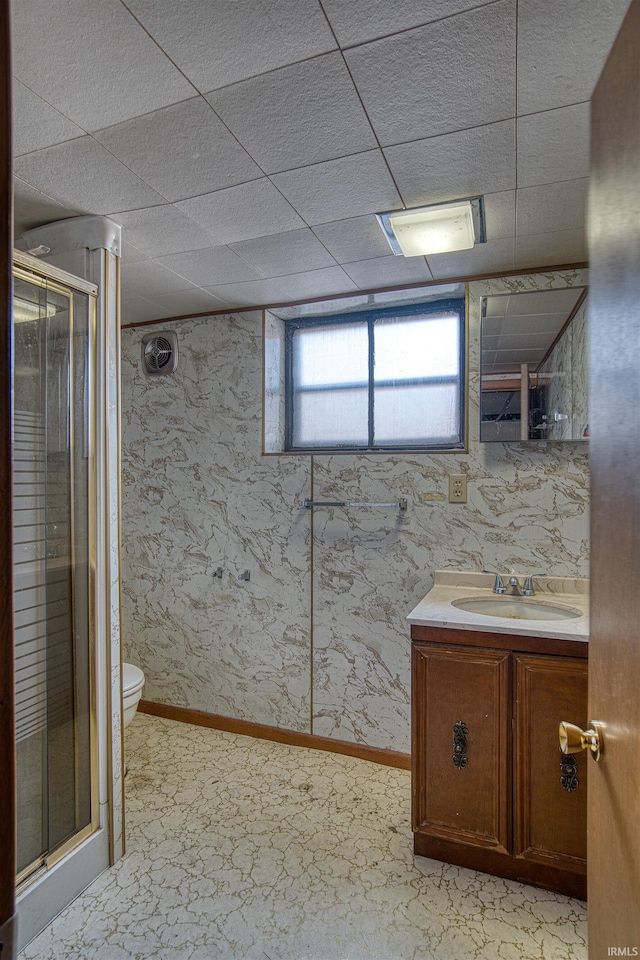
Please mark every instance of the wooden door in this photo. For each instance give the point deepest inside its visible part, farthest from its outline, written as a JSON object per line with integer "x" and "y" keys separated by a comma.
{"x": 7, "y": 738}
{"x": 460, "y": 749}
{"x": 614, "y": 656}
{"x": 550, "y": 809}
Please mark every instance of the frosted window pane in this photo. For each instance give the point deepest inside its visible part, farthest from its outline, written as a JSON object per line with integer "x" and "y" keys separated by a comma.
{"x": 407, "y": 349}
{"x": 331, "y": 418}
{"x": 416, "y": 414}
{"x": 413, "y": 399}
{"x": 335, "y": 353}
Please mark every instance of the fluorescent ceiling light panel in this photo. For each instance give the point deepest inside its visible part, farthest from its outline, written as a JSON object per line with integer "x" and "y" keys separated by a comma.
{"x": 442, "y": 228}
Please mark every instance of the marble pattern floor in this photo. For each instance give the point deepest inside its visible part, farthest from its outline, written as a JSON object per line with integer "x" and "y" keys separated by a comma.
{"x": 242, "y": 849}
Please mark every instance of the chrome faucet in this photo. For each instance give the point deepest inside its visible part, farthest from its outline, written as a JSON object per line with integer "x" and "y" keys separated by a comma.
{"x": 514, "y": 589}
{"x": 498, "y": 586}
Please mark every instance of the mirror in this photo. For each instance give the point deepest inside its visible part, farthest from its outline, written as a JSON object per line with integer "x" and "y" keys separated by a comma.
{"x": 533, "y": 349}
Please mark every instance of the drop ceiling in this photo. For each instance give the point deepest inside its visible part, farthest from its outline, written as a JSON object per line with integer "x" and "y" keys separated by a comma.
{"x": 245, "y": 145}
{"x": 522, "y": 327}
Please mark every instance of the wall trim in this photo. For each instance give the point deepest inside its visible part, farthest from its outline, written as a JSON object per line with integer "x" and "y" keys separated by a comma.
{"x": 520, "y": 271}
{"x": 387, "y": 758}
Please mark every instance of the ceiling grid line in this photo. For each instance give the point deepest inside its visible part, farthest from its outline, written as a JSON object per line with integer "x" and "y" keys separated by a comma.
{"x": 318, "y": 115}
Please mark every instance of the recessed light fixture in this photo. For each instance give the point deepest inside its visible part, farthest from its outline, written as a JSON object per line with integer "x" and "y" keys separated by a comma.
{"x": 440, "y": 228}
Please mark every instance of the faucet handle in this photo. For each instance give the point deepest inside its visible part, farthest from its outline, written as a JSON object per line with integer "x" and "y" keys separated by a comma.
{"x": 527, "y": 590}
{"x": 498, "y": 586}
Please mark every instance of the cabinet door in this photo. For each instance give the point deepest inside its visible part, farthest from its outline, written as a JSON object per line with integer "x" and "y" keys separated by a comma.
{"x": 460, "y": 749}
{"x": 551, "y": 789}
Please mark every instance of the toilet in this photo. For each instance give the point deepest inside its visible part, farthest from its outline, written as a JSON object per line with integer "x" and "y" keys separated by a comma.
{"x": 132, "y": 684}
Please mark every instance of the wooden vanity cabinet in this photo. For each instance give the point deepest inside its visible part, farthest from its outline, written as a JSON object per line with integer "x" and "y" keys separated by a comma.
{"x": 490, "y": 788}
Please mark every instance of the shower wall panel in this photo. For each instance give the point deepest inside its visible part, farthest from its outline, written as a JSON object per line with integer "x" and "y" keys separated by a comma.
{"x": 198, "y": 497}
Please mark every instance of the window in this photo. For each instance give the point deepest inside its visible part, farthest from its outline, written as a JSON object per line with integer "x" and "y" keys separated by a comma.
{"x": 384, "y": 379}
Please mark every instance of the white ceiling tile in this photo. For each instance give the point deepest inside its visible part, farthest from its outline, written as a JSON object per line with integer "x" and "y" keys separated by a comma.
{"x": 500, "y": 215}
{"x": 561, "y": 51}
{"x": 348, "y": 187}
{"x": 279, "y": 255}
{"x": 388, "y": 271}
{"x": 297, "y": 115}
{"x": 316, "y": 283}
{"x": 446, "y": 76}
{"x": 462, "y": 164}
{"x": 539, "y": 303}
{"x": 361, "y": 20}
{"x": 564, "y": 246}
{"x": 553, "y": 145}
{"x": 159, "y": 231}
{"x": 215, "y": 265}
{"x": 186, "y": 302}
{"x": 254, "y": 209}
{"x": 92, "y": 61}
{"x": 83, "y": 174}
{"x": 551, "y": 207}
{"x": 36, "y": 124}
{"x": 137, "y": 310}
{"x": 217, "y": 43}
{"x": 249, "y": 294}
{"x": 130, "y": 253}
{"x": 31, "y": 208}
{"x": 148, "y": 279}
{"x": 494, "y": 255}
{"x": 360, "y": 238}
{"x": 181, "y": 151}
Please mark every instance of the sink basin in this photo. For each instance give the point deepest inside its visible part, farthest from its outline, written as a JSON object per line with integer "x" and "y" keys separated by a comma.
{"x": 516, "y": 608}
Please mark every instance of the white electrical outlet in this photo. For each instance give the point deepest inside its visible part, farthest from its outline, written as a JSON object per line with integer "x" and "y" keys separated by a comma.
{"x": 457, "y": 488}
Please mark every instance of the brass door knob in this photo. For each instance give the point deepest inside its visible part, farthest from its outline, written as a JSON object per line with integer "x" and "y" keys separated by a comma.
{"x": 573, "y": 739}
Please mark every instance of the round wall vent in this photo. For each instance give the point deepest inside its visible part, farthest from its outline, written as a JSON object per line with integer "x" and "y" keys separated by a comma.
{"x": 159, "y": 353}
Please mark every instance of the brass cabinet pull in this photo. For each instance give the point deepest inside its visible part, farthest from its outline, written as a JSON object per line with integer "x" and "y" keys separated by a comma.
{"x": 573, "y": 739}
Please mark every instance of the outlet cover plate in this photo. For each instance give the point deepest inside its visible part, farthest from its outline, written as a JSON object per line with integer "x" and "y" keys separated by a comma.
{"x": 457, "y": 488}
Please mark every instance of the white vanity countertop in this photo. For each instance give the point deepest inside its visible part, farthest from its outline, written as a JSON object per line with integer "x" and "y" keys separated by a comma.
{"x": 436, "y": 609}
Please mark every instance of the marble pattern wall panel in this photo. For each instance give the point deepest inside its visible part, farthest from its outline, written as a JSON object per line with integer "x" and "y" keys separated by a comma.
{"x": 527, "y": 511}
{"x": 198, "y": 495}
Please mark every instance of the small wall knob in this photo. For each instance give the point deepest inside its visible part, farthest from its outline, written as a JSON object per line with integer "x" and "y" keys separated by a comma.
{"x": 573, "y": 739}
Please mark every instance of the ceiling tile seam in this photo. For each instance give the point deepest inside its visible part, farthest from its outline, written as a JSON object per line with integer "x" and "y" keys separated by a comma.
{"x": 28, "y": 183}
{"x": 155, "y": 303}
{"x": 535, "y": 186}
{"x": 449, "y": 133}
{"x": 515, "y": 83}
{"x": 366, "y": 112}
{"x": 265, "y": 73}
{"x": 142, "y": 179}
{"x": 263, "y": 276}
{"x": 317, "y": 163}
{"x": 28, "y": 153}
{"x": 267, "y": 176}
{"x": 160, "y": 48}
{"x": 44, "y": 100}
{"x": 565, "y": 106}
{"x": 347, "y": 263}
{"x": 417, "y": 26}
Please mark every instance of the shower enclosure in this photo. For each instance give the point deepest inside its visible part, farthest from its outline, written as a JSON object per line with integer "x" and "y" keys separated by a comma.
{"x": 54, "y": 508}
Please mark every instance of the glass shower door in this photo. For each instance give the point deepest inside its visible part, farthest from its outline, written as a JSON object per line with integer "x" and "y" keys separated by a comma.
{"x": 53, "y": 542}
